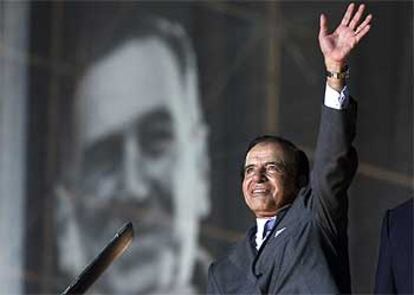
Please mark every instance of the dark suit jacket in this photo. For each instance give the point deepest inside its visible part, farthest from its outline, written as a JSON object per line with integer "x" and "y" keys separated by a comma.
{"x": 395, "y": 263}
{"x": 307, "y": 251}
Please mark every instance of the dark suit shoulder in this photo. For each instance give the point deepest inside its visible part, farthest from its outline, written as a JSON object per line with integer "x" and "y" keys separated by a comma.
{"x": 238, "y": 255}
{"x": 401, "y": 217}
{"x": 394, "y": 270}
{"x": 404, "y": 209}
{"x": 231, "y": 273}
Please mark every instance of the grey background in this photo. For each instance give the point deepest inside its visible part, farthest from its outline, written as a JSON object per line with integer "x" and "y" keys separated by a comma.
{"x": 260, "y": 71}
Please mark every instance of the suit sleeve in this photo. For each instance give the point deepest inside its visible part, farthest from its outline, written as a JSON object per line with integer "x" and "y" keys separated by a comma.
{"x": 384, "y": 279}
{"x": 334, "y": 166}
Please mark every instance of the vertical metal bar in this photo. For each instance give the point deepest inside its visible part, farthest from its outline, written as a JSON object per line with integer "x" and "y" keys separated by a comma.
{"x": 53, "y": 116}
{"x": 273, "y": 23}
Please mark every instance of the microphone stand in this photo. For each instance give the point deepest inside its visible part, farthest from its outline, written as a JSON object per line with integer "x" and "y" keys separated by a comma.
{"x": 100, "y": 263}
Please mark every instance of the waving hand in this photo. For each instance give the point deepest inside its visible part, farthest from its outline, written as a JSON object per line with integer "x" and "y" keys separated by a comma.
{"x": 338, "y": 45}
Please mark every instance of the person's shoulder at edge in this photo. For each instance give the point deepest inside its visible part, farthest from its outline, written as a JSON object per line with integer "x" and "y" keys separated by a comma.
{"x": 402, "y": 212}
{"x": 407, "y": 205}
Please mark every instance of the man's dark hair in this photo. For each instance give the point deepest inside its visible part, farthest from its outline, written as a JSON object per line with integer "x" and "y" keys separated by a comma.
{"x": 294, "y": 159}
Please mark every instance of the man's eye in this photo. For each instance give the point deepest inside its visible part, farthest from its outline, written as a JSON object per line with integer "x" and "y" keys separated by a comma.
{"x": 101, "y": 159}
{"x": 248, "y": 171}
{"x": 273, "y": 168}
{"x": 155, "y": 133}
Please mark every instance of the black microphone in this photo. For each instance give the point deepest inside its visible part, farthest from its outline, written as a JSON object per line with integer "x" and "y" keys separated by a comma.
{"x": 97, "y": 266}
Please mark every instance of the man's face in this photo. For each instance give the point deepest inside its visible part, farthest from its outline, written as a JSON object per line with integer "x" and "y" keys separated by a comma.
{"x": 266, "y": 184}
{"x": 129, "y": 154}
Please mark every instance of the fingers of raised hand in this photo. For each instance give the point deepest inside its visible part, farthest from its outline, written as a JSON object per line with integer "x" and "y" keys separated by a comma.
{"x": 355, "y": 20}
{"x": 364, "y": 24}
{"x": 351, "y": 20}
{"x": 360, "y": 33}
{"x": 348, "y": 14}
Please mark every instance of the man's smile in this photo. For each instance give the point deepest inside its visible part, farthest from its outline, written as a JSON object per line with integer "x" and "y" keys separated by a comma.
{"x": 260, "y": 191}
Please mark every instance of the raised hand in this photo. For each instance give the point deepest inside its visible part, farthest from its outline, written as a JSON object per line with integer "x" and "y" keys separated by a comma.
{"x": 338, "y": 45}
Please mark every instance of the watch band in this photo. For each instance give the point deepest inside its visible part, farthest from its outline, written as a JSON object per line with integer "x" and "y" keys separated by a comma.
{"x": 338, "y": 75}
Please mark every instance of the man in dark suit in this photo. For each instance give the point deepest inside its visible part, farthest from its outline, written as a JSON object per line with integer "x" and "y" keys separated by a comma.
{"x": 300, "y": 243}
{"x": 395, "y": 263}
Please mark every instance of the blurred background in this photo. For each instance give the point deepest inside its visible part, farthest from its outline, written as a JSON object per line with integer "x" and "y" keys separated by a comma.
{"x": 140, "y": 111}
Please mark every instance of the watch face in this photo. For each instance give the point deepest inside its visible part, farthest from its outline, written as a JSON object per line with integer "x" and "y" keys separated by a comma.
{"x": 338, "y": 75}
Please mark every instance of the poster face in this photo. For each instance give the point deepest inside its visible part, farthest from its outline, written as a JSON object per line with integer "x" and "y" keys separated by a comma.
{"x": 139, "y": 154}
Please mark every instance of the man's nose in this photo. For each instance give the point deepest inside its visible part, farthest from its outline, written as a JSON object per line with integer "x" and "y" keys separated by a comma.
{"x": 259, "y": 175}
{"x": 134, "y": 175}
